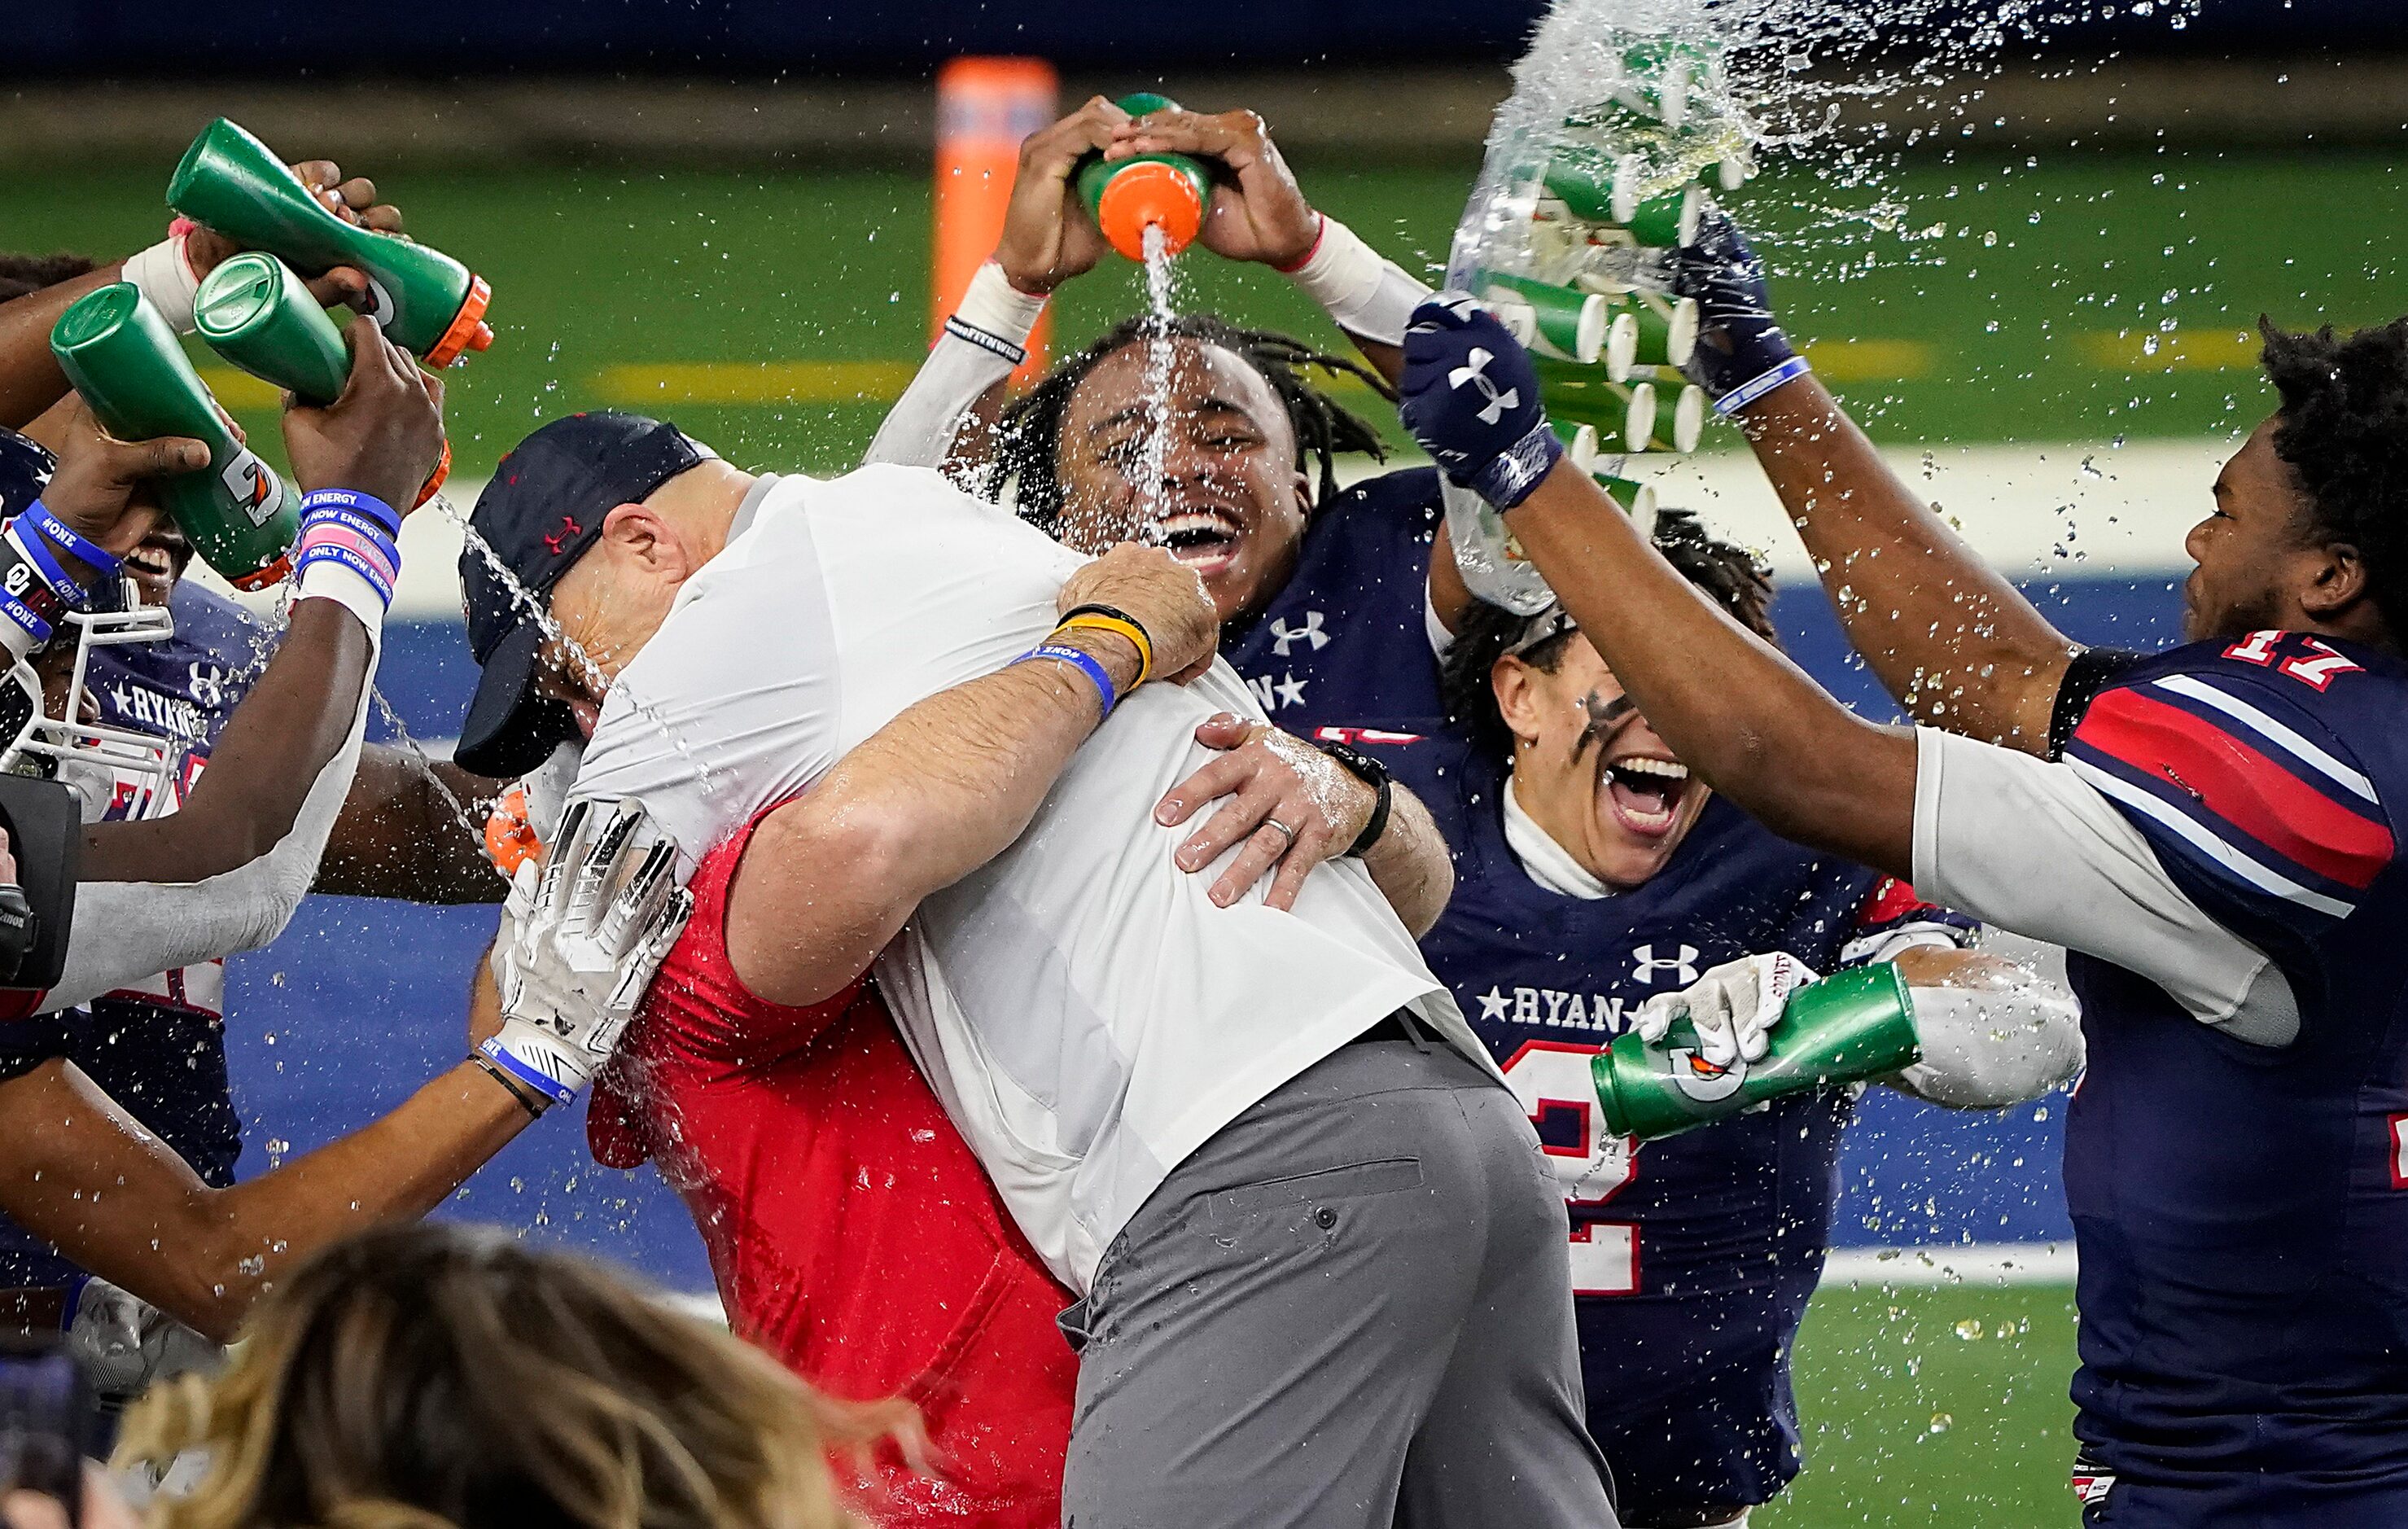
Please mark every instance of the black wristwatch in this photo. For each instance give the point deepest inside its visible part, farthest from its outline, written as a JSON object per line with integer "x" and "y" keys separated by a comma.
{"x": 1372, "y": 773}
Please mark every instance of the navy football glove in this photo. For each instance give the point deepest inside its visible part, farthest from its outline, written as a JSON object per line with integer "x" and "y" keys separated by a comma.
{"x": 1471, "y": 399}
{"x": 1741, "y": 353}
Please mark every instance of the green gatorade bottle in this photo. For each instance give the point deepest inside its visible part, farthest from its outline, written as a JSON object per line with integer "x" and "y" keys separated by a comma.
{"x": 1856, "y": 1024}
{"x": 428, "y": 302}
{"x": 1167, "y": 191}
{"x": 254, "y": 312}
{"x": 131, "y": 369}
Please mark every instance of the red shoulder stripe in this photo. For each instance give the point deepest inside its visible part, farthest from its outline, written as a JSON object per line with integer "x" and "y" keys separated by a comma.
{"x": 1890, "y": 900}
{"x": 2230, "y": 780}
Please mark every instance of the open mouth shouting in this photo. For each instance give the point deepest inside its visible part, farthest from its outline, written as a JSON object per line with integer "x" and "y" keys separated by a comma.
{"x": 1644, "y": 792}
{"x": 156, "y": 563}
{"x": 1203, "y": 537}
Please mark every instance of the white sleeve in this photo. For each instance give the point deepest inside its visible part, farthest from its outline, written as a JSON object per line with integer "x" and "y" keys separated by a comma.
{"x": 2031, "y": 847}
{"x": 126, "y": 931}
{"x": 1985, "y": 1049}
{"x": 1365, "y": 295}
{"x": 983, "y": 341}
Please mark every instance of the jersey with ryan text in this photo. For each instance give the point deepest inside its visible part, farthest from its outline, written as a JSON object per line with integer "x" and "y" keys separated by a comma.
{"x": 1692, "y": 1257}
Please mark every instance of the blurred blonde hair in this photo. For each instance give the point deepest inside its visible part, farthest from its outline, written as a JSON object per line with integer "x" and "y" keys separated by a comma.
{"x": 432, "y": 1376}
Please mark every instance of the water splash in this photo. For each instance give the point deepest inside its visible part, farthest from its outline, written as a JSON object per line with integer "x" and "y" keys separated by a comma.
{"x": 1153, "y": 504}
{"x": 712, "y": 782}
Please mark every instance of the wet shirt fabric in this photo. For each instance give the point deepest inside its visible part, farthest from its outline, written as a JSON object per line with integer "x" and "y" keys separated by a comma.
{"x": 851, "y": 1231}
{"x": 1085, "y": 1010}
{"x": 1346, "y": 640}
{"x": 2223, "y": 832}
{"x": 157, "y": 1048}
{"x": 1692, "y": 1257}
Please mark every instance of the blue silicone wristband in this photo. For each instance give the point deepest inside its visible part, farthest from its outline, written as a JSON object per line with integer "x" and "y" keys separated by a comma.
{"x": 351, "y": 560}
{"x": 1085, "y": 662}
{"x": 366, "y": 504}
{"x": 91, "y": 554}
{"x": 1756, "y": 387}
{"x": 542, "y": 1082}
{"x": 28, "y": 541}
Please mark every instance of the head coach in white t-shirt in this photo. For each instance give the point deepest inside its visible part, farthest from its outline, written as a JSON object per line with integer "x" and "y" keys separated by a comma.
{"x": 1321, "y": 1262}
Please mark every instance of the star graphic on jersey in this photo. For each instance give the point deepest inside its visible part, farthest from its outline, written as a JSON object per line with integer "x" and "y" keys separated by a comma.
{"x": 1494, "y": 1004}
{"x": 1290, "y": 690}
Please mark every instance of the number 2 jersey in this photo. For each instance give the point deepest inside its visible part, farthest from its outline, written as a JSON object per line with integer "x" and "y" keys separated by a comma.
{"x": 2219, "y": 845}
{"x": 1692, "y": 1257}
{"x": 158, "y": 1048}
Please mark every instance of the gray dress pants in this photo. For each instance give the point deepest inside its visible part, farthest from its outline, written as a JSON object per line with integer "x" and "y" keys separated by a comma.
{"x": 1351, "y": 1308}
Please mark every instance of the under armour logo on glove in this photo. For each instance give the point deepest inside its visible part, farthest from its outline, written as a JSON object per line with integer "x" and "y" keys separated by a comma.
{"x": 1475, "y": 372}
{"x": 1470, "y": 397}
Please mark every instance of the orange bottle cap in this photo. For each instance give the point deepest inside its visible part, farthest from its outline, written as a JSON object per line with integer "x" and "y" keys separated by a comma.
{"x": 435, "y": 479}
{"x": 266, "y": 577}
{"x": 466, "y": 326}
{"x": 510, "y": 840}
{"x": 1150, "y": 193}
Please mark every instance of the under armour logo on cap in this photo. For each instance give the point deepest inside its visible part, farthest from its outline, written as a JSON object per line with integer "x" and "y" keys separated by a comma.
{"x": 1475, "y": 372}
{"x": 558, "y": 541}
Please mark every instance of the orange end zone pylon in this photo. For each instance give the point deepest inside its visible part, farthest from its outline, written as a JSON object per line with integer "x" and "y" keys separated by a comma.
{"x": 984, "y": 108}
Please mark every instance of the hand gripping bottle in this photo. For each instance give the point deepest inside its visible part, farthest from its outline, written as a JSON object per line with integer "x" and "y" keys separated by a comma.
{"x": 428, "y": 302}
{"x": 1856, "y": 1024}
{"x": 1165, "y": 190}
{"x": 131, "y": 368}
{"x": 254, "y": 312}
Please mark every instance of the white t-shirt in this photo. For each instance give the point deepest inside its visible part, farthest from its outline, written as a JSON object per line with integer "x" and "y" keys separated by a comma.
{"x": 1086, "y": 1013}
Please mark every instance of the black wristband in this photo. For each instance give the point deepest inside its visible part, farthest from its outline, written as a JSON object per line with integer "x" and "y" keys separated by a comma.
{"x": 527, "y": 1102}
{"x": 1372, "y": 773}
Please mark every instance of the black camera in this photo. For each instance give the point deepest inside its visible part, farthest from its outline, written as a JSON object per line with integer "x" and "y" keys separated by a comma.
{"x": 45, "y": 829}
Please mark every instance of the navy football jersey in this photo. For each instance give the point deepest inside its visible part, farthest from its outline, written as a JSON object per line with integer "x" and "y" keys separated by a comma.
{"x": 1346, "y": 640}
{"x": 2241, "y": 1210}
{"x": 158, "y": 1048}
{"x": 1693, "y": 1257}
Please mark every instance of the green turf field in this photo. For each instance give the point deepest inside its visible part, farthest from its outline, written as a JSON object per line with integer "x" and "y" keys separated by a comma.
{"x": 1939, "y": 1406}
{"x": 1999, "y": 300}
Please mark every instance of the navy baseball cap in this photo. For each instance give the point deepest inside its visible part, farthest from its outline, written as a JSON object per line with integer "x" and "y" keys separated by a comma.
{"x": 544, "y": 505}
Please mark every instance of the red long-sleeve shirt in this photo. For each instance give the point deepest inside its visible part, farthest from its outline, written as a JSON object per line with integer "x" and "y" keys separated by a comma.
{"x": 851, "y": 1231}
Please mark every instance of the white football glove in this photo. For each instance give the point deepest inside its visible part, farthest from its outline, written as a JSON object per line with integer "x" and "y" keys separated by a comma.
{"x": 126, "y": 1343}
{"x": 583, "y": 932}
{"x": 1732, "y": 1008}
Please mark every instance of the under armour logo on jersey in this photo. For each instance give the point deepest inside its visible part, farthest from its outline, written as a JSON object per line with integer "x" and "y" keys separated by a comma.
{"x": 1283, "y": 634}
{"x": 206, "y": 685}
{"x": 1474, "y": 371}
{"x": 1645, "y": 965}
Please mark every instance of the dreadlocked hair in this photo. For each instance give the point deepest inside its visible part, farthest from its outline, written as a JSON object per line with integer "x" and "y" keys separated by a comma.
{"x": 1028, "y": 437}
{"x": 20, "y": 274}
{"x": 1731, "y": 576}
{"x": 2344, "y": 429}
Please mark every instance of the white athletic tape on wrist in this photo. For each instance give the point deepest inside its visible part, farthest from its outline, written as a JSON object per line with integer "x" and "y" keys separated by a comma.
{"x": 997, "y": 309}
{"x": 1362, "y": 292}
{"x": 330, "y": 580}
{"x": 165, "y": 275}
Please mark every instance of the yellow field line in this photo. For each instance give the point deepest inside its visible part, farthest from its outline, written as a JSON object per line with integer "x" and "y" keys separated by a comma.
{"x": 2202, "y": 350}
{"x": 1867, "y": 360}
{"x": 239, "y": 389}
{"x": 652, "y": 384}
